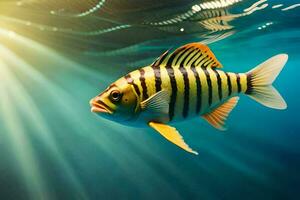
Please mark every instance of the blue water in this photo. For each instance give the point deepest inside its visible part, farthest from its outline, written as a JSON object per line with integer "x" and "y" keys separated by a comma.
{"x": 54, "y": 59}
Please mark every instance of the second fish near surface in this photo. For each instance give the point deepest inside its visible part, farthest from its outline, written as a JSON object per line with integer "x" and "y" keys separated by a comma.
{"x": 184, "y": 84}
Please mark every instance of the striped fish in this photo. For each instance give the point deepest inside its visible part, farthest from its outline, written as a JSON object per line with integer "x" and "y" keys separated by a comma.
{"x": 184, "y": 84}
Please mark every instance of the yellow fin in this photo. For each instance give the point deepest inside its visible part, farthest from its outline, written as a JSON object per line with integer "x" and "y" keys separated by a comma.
{"x": 218, "y": 116}
{"x": 261, "y": 79}
{"x": 193, "y": 54}
{"x": 171, "y": 134}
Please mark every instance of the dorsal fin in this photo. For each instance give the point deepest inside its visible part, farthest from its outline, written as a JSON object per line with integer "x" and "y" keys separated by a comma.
{"x": 193, "y": 54}
{"x": 160, "y": 59}
{"x": 218, "y": 116}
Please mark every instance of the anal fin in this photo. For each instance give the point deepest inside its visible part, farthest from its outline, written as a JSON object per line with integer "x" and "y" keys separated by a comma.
{"x": 218, "y": 116}
{"x": 171, "y": 134}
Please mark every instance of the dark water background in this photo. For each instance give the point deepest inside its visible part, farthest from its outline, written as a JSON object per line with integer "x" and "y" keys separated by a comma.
{"x": 56, "y": 55}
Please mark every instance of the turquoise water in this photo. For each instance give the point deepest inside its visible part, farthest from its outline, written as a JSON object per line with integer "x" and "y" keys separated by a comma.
{"x": 56, "y": 55}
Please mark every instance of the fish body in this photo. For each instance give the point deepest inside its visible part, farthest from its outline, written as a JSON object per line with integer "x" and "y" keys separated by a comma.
{"x": 193, "y": 91}
{"x": 184, "y": 84}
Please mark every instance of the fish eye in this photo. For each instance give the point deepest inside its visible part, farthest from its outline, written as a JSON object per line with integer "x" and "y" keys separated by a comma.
{"x": 115, "y": 95}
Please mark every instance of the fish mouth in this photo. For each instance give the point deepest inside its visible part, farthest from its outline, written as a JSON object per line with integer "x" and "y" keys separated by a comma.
{"x": 99, "y": 107}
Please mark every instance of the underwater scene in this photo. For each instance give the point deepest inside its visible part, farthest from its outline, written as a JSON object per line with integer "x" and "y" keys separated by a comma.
{"x": 56, "y": 55}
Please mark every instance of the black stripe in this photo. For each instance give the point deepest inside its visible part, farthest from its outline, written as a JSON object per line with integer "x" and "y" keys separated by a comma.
{"x": 170, "y": 71}
{"x": 193, "y": 64}
{"x": 184, "y": 73}
{"x": 196, "y": 54}
{"x": 184, "y": 51}
{"x": 229, "y": 84}
{"x": 156, "y": 70}
{"x": 143, "y": 83}
{"x": 238, "y": 81}
{"x": 137, "y": 89}
{"x": 130, "y": 81}
{"x": 198, "y": 85}
{"x": 204, "y": 57}
{"x": 249, "y": 83}
{"x": 207, "y": 63}
{"x": 219, "y": 81}
{"x": 161, "y": 59}
{"x": 209, "y": 87}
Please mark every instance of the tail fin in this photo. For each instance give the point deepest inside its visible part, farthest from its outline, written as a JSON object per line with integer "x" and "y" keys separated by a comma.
{"x": 260, "y": 81}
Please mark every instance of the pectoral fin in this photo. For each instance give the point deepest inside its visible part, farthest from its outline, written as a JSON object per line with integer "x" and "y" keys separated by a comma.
{"x": 157, "y": 103}
{"x": 218, "y": 116}
{"x": 171, "y": 134}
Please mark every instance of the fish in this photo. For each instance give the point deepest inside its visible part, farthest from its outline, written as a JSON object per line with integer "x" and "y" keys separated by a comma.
{"x": 183, "y": 84}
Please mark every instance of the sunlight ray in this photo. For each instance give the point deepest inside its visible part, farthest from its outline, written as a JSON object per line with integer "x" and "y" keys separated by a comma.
{"x": 58, "y": 93}
{"x": 21, "y": 146}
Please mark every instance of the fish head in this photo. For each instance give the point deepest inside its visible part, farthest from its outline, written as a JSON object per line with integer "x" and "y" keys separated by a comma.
{"x": 118, "y": 102}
